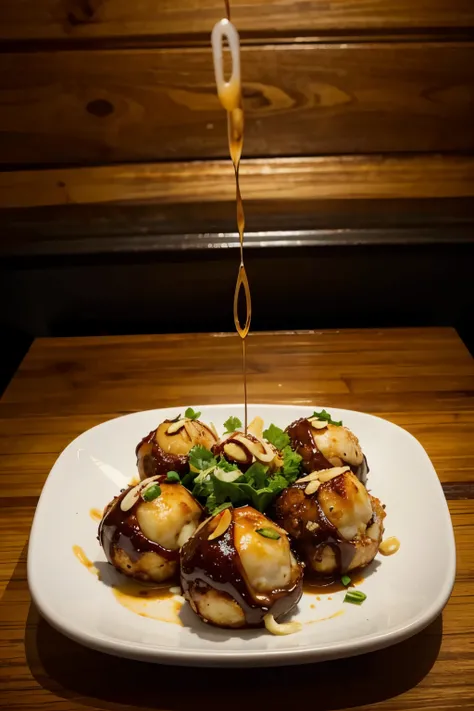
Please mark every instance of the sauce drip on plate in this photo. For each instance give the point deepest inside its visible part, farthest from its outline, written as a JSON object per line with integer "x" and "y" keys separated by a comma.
{"x": 155, "y": 602}
{"x": 389, "y": 546}
{"x": 84, "y": 560}
{"x": 316, "y": 585}
{"x": 95, "y": 514}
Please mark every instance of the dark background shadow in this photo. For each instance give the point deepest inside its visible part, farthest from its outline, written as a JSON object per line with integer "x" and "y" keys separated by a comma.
{"x": 74, "y": 672}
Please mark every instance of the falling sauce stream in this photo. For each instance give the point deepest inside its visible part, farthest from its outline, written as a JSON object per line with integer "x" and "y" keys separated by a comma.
{"x": 235, "y": 130}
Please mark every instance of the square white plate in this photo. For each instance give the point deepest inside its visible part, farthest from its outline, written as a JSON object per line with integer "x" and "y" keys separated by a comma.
{"x": 405, "y": 592}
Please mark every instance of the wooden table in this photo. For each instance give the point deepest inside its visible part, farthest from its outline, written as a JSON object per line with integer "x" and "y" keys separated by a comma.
{"x": 422, "y": 379}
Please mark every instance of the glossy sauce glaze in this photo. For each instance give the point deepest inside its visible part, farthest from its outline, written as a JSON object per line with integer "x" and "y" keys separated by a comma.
{"x": 317, "y": 585}
{"x": 303, "y": 442}
{"x": 120, "y": 529}
{"x": 216, "y": 564}
{"x": 219, "y": 449}
{"x": 153, "y": 460}
{"x": 293, "y": 510}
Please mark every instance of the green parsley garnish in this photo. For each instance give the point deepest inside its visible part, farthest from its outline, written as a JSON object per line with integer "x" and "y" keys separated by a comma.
{"x": 345, "y": 580}
{"x": 269, "y": 533}
{"x": 232, "y": 424}
{"x": 151, "y": 493}
{"x": 191, "y": 414}
{"x": 291, "y": 464}
{"x": 276, "y": 436}
{"x": 323, "y": 415}
{"x": 356, "y": 597}
{"x": 173, "y": 476}
{"x": 207, "y": 480}
{"x": 201, "y": 458}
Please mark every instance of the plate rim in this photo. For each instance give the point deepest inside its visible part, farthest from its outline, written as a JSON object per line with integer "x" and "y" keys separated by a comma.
{"x": 224, "y": 658}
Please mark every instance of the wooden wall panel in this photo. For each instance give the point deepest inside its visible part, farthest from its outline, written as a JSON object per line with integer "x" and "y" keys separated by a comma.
{"x": 70, "y": 19}
{"x": 145, "y": 105}
{"x": 265, "y": 180}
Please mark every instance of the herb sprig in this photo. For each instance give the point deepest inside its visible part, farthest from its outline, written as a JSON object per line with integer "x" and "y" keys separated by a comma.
{"x": 326, "y": 417}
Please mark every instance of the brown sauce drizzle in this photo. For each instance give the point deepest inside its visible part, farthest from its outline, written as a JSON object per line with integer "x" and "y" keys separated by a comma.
{"x": 153, "y": 460}
{"x": 120, "y": 529}
{"x": 316, "y": 585}
{"x": 216, "y": 564}
{"x": 235, "y": 132}
{"x": 294, "y": 509}
{"x": 243, "y": 466}
{"x": 303, "y": 442}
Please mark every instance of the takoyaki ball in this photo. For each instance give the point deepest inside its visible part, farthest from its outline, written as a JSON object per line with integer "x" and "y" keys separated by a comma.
{"x": 142, "y": 538}
{"x": 245, "y": 449}
{"x": 238, "y": 567}
{"x": 335, "y": 524}
{"x": 166, "y": 448}
{"x": 323, "y": 445}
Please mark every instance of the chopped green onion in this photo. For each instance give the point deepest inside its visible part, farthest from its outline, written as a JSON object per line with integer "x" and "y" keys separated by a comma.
{"x": 345, "y": 580}
{"x": 192, "y": 414}
{"x": 173, "y": 476}
{"x": 357, "y": 597}
{"x": 151, "y": 493}
{"x": 269, "y": 533}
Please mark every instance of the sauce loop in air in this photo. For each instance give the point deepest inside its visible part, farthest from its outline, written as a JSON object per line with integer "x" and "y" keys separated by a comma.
{"x": 230, "y": 95}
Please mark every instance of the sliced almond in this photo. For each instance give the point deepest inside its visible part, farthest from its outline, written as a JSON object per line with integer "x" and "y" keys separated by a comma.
{"x": 214, "y": 431}
{"x": 283, "y": 628}
{"x": 186, "y": 533}
{"x": 133, "y": 495}
{"x": 175, "y": 427}
{"x": 256, "y": 427}
{"x": 329, "y": 474}
{"x": 260, "y": 450}
{"x": 309, "y": 477}
{"x": 192, "y": 429}
{"x": 202, "y": 524}
{"x": 235, "y": 452}
{"x": 324, "y": 474}
{"x": 312, "y": 487}
{"x": 222, "y": 526}
{"x": 312, "y": 526}
{"x": 317, "y": 424}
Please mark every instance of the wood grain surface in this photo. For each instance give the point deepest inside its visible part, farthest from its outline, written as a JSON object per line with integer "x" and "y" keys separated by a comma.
{"x": 86, "y": 19}
{"x": 268, "y": 181}
{"x": 81, "y": 107}
{"x": 421, "y": 379}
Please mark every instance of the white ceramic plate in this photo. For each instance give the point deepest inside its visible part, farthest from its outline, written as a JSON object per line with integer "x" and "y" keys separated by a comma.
{"x": 405, "y": 592}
